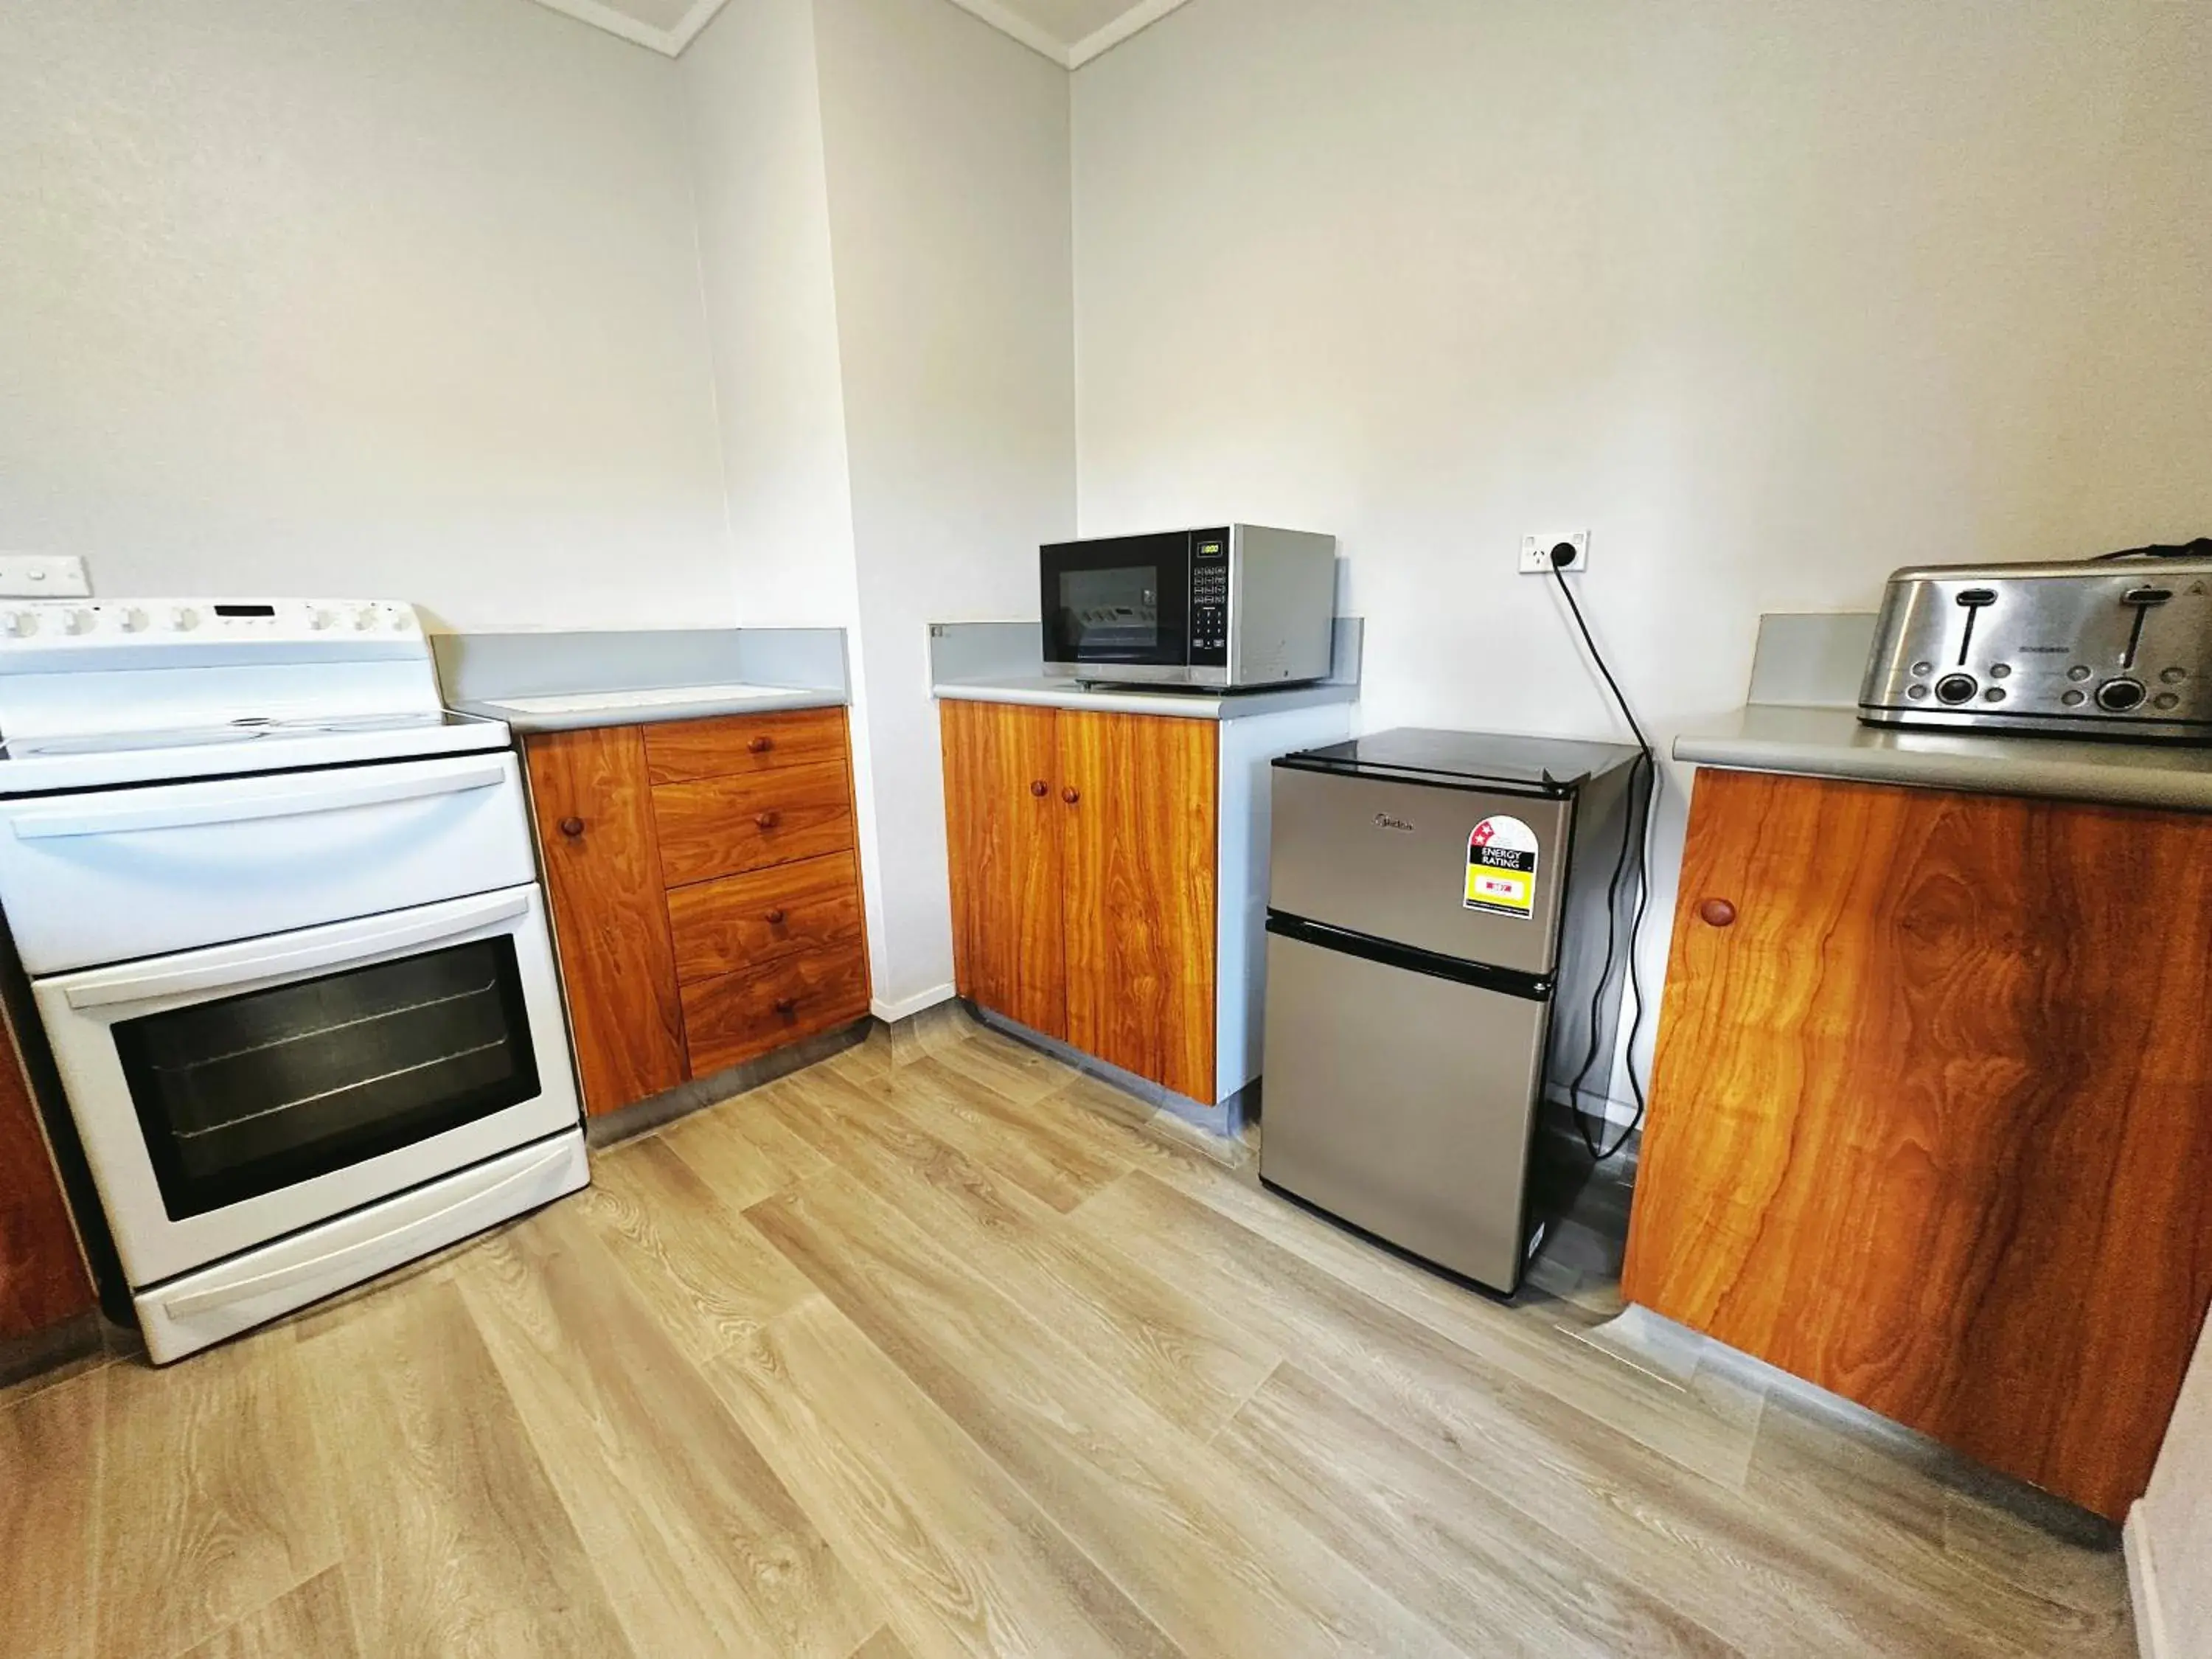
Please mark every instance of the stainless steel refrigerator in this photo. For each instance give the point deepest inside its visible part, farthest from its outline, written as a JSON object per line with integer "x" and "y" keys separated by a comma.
{"x": 1436, "y": 965}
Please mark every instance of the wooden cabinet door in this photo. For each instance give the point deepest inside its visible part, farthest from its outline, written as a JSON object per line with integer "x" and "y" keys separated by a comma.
{"x": 593, "y": 804}
{"x": 1931, "y": 1119}
{"x": 1138, "y": 856}
{"x": 42, "y": 1276}
{"x": 1002, "y": 822}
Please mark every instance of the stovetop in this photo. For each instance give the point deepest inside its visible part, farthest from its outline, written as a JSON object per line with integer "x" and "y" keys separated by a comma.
{"x": 101, "y": 694}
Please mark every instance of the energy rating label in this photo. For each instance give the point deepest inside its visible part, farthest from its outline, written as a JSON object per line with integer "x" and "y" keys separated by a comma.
{"x": 1501, "y": 868}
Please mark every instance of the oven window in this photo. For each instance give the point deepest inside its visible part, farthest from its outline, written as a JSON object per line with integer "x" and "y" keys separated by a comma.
{"x": 243, "y": 1095}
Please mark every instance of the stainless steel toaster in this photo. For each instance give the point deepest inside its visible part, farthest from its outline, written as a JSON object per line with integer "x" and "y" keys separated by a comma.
{"x": 2118, "y": 648}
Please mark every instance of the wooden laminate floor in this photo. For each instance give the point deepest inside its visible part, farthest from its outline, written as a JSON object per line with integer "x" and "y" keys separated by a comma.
{"x": 938, "y": 1348}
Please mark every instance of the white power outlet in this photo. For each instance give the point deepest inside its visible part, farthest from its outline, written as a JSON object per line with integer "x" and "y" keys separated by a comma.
{"x": 42, "y": 576}
{"x": 1536, "y": 552}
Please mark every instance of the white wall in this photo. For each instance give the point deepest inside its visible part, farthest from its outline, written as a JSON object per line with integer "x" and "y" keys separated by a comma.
{"x": 947, "y": 147}
{"x": 318, "y": 295}
{"x": 752, "y": 92}
{"x": 2170, "y": 1532}
{"x": 1772, "y": 299}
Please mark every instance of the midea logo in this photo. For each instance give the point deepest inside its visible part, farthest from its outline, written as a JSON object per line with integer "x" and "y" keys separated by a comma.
{"x": 1384, "y": 821}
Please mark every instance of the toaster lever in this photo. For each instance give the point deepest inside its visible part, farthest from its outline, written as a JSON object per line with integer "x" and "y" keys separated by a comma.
{"x": 1974, "y": 600}
{"x": 2140, "y": 600}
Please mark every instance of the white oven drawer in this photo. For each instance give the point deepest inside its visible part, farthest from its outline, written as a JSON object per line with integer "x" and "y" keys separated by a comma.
{"x": 113, "y": 875}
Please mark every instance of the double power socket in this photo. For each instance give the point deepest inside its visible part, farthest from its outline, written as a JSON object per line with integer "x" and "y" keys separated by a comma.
{"x": 1536, "y": 552}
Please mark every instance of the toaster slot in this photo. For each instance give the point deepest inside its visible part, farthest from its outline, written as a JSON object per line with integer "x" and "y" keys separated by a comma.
{"x": 2141, "y": 601}
{"x": 1974, "y": 601}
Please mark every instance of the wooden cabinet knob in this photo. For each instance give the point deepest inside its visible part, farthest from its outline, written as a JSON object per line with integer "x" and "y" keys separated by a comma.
{"x": 786, "y": 1007}
{"x": 1071, "y": 794}
{"x": 1718, "y": 913}
{"x": 769, "y": 820}
{"x": 571, "y": 827}
{"x": 760, "y": 745}
{"x": 1039, "y": 788}
{"x": 775, "y": 918}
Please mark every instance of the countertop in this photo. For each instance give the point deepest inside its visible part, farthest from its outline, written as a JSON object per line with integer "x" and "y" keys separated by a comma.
{"x": 1830, "y": 743}
{"x": 576, "y": 711}
{"x": 1043, "y": 692}
{"x": 566, "y": 680}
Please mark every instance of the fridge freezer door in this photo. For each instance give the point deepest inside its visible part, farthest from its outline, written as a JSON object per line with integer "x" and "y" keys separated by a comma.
{"x": 1389, "y": 858}
{"x": 1403, "y": 1103}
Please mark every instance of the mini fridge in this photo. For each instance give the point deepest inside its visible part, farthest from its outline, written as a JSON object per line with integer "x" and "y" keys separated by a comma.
{"x": 1437, "y": 965}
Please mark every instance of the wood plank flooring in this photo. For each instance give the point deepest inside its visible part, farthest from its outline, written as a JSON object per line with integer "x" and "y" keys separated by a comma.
{"x": 938, "y": 1348}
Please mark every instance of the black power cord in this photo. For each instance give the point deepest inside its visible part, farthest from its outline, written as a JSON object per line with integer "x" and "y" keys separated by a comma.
{"x": 1562, "y": 555}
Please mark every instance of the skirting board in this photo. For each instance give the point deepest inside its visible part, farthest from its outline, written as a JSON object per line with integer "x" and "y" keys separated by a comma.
{"x": 2151, "y": 1639}
{"x": 906, "y": 1007}
{"x": 1225, "y": 1122}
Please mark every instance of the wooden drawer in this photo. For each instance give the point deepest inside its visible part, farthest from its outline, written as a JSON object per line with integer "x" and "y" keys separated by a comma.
{"x": 720, "y": 826}
{"x": 747, "y": 921}
{"x": 737, "y": 1017}
{"x": 733, "y": 744}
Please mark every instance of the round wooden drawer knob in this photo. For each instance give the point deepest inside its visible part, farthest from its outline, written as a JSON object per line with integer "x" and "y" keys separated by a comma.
{"x": 1039, "y": 788}
{"x": 769, "y": 820}
{"x": 760, "y": 745}
{"x": 786, "y": 1007}
{"x": 571, "y": 827}
{"x": 1718, "y": 913}
{"x": 1071, "y": 795}
{"x": 775, "y": 918}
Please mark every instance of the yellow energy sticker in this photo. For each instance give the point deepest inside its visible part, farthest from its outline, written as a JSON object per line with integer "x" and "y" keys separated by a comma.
{"x": 1501, "y": 868}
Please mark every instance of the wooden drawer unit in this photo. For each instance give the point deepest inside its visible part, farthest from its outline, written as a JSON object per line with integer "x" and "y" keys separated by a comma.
{"x": 706, "y": 892}
{"x": 739, "y": 1017}
{"x": 720, "y": 826}
{"x": 736, "y": 744}
{"x": 738, "y": 922}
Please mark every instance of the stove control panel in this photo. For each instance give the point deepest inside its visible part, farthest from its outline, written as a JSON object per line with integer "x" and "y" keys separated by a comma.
{"x": 46, "y": 625}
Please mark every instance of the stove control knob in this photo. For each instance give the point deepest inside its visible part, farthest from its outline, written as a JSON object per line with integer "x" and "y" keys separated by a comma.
{"x": 183, "y": 619}
{"x": 364, "y": 619}
{"x": 401, "y": 621}
{"x": 78, "y": 622}
{"x": 318, "y": 620}
{"x": 21, "y": 624}
{"x": 133, "y": 619}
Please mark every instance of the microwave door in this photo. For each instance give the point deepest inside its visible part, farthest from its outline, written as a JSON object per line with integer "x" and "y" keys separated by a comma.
{"x": 1117, "y": 605}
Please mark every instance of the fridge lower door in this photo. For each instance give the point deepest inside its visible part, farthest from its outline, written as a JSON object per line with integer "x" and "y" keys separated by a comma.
{"x": 1404, "y": 1103}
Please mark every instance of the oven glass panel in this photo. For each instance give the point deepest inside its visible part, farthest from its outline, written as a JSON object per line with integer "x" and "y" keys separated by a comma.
{"x": 1122, "y": 600}
{"x": 253, "y": 1092}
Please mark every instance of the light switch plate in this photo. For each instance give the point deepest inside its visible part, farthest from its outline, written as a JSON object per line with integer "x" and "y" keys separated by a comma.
{"x": 42, "y": 576}
{"x": 1536, "y": 552}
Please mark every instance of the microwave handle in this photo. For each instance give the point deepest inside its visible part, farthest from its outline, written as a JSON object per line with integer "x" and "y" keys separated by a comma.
{"x": 236, "y": 972}
{"x": 186, "y": 815}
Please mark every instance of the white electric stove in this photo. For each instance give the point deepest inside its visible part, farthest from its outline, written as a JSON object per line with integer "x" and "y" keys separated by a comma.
{"x": 280, "y": 916}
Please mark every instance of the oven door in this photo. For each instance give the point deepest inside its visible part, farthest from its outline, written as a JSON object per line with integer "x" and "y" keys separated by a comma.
{"x": 1118, "y": 608}
{"x": 228, "y": 1096}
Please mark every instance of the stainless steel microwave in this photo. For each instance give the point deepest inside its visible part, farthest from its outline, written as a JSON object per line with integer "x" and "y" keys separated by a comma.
{"x": 1237, "y": 607}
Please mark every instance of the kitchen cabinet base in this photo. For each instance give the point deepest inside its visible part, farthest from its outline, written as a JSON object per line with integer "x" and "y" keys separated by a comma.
{"x": 1227, "y": 1119}
{"x": 644, "y": 1116}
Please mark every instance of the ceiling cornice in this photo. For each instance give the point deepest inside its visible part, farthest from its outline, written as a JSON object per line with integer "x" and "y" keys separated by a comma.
{"x": 671, "y": 42}
{"x": 668, "y": 42}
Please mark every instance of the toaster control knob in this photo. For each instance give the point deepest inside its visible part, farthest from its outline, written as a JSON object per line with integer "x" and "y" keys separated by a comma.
{"x": 1955, "y": 688}
{"x": 2075, "y": 699}
{"x": 2119, "y": 697}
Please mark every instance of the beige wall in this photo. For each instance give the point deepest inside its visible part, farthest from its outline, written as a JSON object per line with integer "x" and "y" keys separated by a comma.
{"x": 2171, "y": 1530}
{"x": 319, "y": 296}
{"x": 1770, "y": 298}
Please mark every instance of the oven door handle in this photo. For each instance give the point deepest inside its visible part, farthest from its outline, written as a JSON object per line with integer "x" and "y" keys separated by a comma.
{"x": 219, "y": 1296}
{"x": 186, "y": 815}
{"x": 237, "y": 972}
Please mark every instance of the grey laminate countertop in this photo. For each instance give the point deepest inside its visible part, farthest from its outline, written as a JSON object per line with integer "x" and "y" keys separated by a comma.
{"x": 1830, "y": 743}
{"x": 565, "y": 680}
{"x": 575, "y": 711}
{"x": 1043, "y": 692}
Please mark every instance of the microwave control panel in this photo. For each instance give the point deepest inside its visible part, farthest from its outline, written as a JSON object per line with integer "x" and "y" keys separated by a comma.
{"x": 1209, "y": 599}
